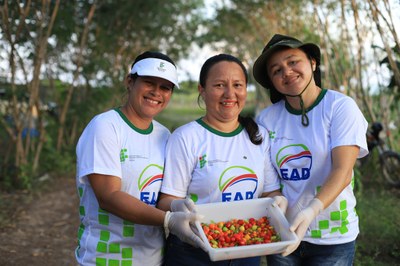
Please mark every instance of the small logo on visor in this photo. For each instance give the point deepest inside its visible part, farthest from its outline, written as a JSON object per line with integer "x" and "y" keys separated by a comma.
{"x": 161, "y": 67}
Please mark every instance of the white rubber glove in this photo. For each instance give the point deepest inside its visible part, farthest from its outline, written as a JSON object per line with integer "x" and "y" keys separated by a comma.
{"x": 302, "y": 221}
{"x": 183, "y": 205}
{"x": 281, "y": 202}
{"x": 178, "y": 223}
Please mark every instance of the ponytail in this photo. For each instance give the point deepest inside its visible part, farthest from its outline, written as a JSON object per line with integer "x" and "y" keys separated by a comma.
{"x": 252, "y": 129}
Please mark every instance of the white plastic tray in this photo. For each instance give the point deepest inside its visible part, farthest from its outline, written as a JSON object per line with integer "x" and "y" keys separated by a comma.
{"x": 256, "y": 208}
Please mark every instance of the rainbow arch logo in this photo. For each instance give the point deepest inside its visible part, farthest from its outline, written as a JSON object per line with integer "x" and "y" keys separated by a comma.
{"x": 294, "y": 162}
{"x": 149, "y": 183}
{"x": 233, "y": 176}
{"x": 151, "y": 174}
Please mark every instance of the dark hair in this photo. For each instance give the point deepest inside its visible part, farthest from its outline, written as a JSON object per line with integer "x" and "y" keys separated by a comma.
{"x": 247, "y": 122}
{"x": 210, "y": 62}
{"x": 151, "y": 54}
{"x": 252, "y": 129}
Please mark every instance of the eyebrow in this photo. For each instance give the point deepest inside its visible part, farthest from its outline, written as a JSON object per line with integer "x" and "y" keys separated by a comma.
{"x": 163, "y": 81}
{"x": 286, "y": 58}
{"x": 219, "y": 80}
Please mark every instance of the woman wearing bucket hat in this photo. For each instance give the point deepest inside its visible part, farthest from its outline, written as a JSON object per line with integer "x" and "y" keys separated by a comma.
{"x": 120, "y": 158}
{"x": 316, "y": 136}
{"x": 219, "y": 157}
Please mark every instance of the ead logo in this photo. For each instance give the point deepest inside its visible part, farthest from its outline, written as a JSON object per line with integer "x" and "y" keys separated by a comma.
{"x": 149, "y": 183}
{"x": 294, "y": 162}
{"x": 238, "y": 183}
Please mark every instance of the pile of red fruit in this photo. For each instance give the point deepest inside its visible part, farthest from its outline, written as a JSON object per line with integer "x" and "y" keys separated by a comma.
{"x": 240, "y": 232}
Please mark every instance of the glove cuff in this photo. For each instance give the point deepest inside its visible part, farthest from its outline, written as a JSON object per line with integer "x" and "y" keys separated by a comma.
{"x": 166, "y": 222}
{"x": 172, "y": 206}
{"x": 316, "y": 205}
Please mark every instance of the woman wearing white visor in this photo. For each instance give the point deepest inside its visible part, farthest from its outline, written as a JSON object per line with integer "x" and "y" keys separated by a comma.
{"x": 120, "y": 160}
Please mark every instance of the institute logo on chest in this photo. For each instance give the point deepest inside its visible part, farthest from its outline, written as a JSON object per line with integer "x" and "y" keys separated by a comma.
{"x": 238, "y": 183}
{"x": 294, "y": 162}
{"x": 149, "y": 183}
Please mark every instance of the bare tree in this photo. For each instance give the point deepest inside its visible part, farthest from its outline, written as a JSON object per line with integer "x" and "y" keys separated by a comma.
{"x": 26, "y": 115}
{"x": 78, "y": 64}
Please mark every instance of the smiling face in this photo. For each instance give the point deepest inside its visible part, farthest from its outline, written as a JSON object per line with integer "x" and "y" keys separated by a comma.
{"x": 290, "y": 71}
{"x": 148, "y": 96}
{"x": 224, "y": 94}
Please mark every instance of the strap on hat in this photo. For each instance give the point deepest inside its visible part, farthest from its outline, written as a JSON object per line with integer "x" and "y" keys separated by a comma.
{"x": 304, "y": 118}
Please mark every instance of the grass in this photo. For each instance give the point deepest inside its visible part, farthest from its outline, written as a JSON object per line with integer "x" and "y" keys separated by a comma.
{"x": 378, "y": 242}
{"x": 379, "y": 212}
{"x": 175, "y": 117}
{"x": 184, "y": 108}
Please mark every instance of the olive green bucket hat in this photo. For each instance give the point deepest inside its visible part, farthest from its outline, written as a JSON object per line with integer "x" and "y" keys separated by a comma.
{"x": 276, "y": 43}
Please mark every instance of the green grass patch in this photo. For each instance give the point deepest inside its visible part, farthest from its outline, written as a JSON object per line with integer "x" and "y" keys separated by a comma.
{"x": 379, "y": 213}
{"x": 184, "y": 108}
{"x": 175, "y": 117}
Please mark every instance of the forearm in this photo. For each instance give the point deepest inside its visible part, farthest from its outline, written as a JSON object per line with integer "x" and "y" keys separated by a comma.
{"x": 271, "y": 194}
{"x": 132, "y": 209}
{"x": 343, "y": 160}
{"x": 110, "y": 198}
{"x": 336, "y": 183}
{"x": 164, "y": 201}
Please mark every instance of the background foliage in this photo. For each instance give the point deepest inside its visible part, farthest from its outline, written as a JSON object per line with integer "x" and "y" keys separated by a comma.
{"x": 62, "y": 62}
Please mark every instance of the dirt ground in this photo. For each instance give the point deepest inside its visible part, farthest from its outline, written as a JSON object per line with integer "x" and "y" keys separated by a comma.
{"x": 41, "y": 228}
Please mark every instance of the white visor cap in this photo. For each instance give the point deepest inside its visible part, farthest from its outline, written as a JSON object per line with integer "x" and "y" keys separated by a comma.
{"x": 155, "y": 67}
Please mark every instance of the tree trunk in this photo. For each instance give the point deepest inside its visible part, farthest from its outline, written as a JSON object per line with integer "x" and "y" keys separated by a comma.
{"x": 64, "y": 112}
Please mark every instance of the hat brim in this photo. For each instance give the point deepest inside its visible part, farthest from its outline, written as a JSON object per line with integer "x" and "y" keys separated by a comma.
{"x": 155, "y": 67}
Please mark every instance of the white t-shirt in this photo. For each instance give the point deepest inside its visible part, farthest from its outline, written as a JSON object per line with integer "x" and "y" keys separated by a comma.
{"x": 302, "y": 157}
{"x": 111, "y": 145}
{"x": 211, "y": 166}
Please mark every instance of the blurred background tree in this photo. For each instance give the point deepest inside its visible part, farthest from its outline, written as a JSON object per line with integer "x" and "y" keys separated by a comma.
{"x": 62, "y": 62}
{"x": 65, "y": 61}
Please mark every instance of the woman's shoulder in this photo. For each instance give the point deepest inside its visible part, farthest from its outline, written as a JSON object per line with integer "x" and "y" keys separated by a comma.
{"x": 157, "y": 125}
{"x": 187, "y": 133}
{"x": 105, "y": 117}
{"x": 263, "y": 131}
{"x": 270, "y": 112}
{"x": 337, "y": 95}
{"x": 338, "y": 98}
{"x": 192, "y": 126}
